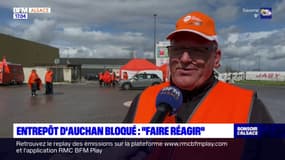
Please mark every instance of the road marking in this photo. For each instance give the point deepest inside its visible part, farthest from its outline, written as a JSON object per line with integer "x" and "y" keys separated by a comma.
{"x": 127, "y": 104}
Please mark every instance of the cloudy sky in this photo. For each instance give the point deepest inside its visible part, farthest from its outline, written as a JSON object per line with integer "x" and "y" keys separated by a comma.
{"x": 114, "y": 28}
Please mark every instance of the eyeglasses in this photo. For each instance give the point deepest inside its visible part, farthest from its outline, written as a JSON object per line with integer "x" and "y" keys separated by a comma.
{"x": 193, "y": 52}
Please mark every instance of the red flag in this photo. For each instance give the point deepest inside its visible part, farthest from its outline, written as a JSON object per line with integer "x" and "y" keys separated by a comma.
{"x": 5, "y": 65}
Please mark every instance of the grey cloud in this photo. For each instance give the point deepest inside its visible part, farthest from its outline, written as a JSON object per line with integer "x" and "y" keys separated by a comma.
{"x": 227, "y": 13}
{"x": 278, "y": 11}
{"x": 95, "y": 28}
{"x": 277, "y": 53}
{"x": 109, "y": 51}
{"x": 231, "y": 29}
{"x": 276, "y": 38}
{"x": 41, "y": 31}
{"x": 97, "y": 38}
{"x": 249, "y": 48}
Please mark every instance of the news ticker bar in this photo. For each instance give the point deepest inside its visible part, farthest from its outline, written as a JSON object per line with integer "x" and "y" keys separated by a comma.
{"x": 122, "y": 130}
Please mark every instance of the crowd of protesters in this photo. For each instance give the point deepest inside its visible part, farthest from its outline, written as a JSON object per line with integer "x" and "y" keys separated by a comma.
{"x": 107, "y": 79}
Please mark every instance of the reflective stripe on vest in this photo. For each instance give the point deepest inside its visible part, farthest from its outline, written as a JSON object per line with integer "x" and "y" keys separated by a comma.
{"x": 224, "y": 103}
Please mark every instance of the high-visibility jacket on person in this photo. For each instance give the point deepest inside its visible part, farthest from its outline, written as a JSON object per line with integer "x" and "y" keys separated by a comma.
{"x": 224, "y": 103}
{"x": 49, "y": 76}
{"x": 125, "y": 76}
{"x": 113, "y": 76}
{"x": 34, "y": 78}
{"x": 101, "y": 76}
{"x": 107, "y": 77}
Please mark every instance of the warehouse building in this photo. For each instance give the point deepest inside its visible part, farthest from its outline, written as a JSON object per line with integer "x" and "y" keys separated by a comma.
{"x": 86, "y": 67}
{"x": 33, "y": 55}
{"x": 26, "y": 52}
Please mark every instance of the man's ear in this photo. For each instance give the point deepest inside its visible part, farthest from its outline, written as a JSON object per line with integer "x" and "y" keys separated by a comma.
{"x": 218, "y": 56}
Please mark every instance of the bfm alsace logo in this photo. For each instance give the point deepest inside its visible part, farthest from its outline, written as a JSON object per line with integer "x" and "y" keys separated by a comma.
{"x": 22, "y": 12}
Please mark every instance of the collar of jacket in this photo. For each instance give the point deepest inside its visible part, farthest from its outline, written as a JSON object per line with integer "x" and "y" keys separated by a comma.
{"x": 198, "y": 92}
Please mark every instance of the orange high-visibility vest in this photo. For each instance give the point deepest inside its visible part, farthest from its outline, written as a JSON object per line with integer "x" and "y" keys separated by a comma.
{"x": 48, "y": 76}
{"x": 224, "y": 103}
{"x": 33, "y": 78}
{"x": 100, "y": 76}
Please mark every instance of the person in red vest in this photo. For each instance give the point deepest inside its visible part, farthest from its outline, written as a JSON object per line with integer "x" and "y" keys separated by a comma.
{"x": 125, "y": 76}
{"x": 113, "y": 79}
{"x": 34, "y": 82}
{"x": 49, "y": 81}
{"x": 194, "y": 54}
{"x": 100, "y": 78}
{"x": 107, "y": 78}
{"x": 5, "y": 65}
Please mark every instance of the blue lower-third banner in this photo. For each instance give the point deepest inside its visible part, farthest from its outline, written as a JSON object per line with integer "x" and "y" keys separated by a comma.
{"x": 259, "y": 130}
{"x": 123, "y": 130}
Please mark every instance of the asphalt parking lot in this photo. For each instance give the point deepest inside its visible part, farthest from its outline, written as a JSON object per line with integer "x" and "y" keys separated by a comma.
{"x": 71, "y": 103}
{"x": 273, "y": 98}
{"x": 87, "y": 102}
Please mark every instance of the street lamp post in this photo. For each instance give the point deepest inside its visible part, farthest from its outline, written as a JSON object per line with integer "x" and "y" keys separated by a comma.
{"x": 258, "y": 63}
{"x": 239, "y": 64}
{"x": 56, "y": 62}
{"x": 154, "y": 35}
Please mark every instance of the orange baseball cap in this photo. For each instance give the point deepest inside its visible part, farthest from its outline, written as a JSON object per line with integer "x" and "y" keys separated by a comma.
{"x": 198, "y": 23}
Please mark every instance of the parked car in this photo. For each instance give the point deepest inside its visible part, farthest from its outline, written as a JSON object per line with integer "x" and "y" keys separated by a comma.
{"x": 140, "y": 80}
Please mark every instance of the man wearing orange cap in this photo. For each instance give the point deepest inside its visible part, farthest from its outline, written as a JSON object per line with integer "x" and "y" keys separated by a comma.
{"x": 194, "y": 54}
